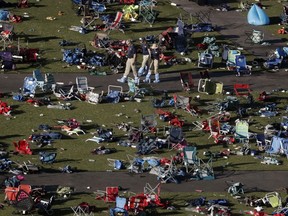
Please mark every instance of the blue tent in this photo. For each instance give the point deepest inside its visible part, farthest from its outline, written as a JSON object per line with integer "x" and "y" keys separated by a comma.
{"x": 256, "y": 16}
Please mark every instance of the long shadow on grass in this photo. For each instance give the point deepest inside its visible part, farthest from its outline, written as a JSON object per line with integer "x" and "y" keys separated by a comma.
{"x": 43, "y": 39}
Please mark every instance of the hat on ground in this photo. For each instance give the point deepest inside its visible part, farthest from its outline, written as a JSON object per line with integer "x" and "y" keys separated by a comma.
{"x": 154, "y": 46}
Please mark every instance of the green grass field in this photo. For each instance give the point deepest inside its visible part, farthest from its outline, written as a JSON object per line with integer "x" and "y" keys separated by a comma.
{"x": 38, "y": 32}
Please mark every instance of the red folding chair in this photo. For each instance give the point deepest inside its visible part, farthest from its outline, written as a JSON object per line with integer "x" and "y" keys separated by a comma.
{"x": 242, "y": 89}
{"x": 116, "y": 24}
{"x": 22, "y": 147}
{"x": 109, "y": 195}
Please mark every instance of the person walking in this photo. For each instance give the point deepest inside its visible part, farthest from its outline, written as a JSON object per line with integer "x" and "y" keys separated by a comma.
{"x": 146, "y": 57}
{"x": 155, "y": 56}
{"x": 130, "y": 63}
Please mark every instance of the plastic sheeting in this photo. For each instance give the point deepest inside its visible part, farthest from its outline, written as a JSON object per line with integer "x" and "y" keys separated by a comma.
{"x": 256, "y": 16}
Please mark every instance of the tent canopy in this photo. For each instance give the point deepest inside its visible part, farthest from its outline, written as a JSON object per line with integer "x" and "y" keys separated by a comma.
{"x": 256, "y": 16}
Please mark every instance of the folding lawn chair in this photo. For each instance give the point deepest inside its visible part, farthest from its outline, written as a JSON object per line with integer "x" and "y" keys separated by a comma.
{"x": 50, "y": 82}
{"x": 242, "y": 89}
{"x": 115, "y": 163}
{"x": 241, "y": 66}
{"x": 231, "y": 59}
{"x": 166, "y": 174}
{"x": 116, "y": 24}
{"x": 82, "y": 85}
{"x": 186, "y": 81}
{"x": 210, "y": 87}
{"x": 134, "y": 90}
{"x": 273, "y": 199}
{"x": 115, "y": 94}
{"x": 109, "y": 195}
{"x": 242, "y": 131}
{"x": 205, "y": 60}
{"x": 254, "y": 37}
{"x": 120, "y": 207}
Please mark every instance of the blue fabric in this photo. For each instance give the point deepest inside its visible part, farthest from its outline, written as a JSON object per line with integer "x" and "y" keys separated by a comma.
{"x": 4, "y": 15}
{"x": 256, "y": 16}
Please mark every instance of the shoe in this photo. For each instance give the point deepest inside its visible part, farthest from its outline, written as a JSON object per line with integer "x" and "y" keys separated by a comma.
{"x": 136, "y": 81}
{"x": 146, "y": 81}
{"x": 122, "y": 80}
{"x": 156, "y": 81}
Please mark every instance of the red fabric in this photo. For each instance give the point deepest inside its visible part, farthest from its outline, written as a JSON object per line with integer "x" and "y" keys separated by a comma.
{"x": 22, "y": 147}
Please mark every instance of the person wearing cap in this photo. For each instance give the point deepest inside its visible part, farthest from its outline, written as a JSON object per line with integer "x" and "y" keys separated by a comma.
{"x": 155, "y": 57}
{"x": 130, "y": 63}
{"x": 146, "y": 57}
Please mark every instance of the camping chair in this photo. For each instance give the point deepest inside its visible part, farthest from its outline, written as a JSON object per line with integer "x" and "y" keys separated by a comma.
{"x": 115, "y": 163}
{"x": 134, "y": 90}
{"x": 205, "y": 60}
{"x": 22, "y": 147}
{"x": 183, "y": 102}
{"x": 136, "y": 164}
{"x": 176, "y": 138}
{"x": 148, "y": 124}
{"x": 210, "y": 87}
{"x": 254, "y": 37}
{"x": 94, "y": 98}
{"x": 236, "y": 189}
{"x": 278, "y": 145}
{"x": 241, "y": 66}
{"x": 109, "y": 195}
{"x": 37, "y": 75}
{"x": 65, "y": 92}
{"x": 166, "y": 173}
{"x": 262, "y": 142}
{"x": 82, "y": 85}
{"x": 120, "y": 207}
{"x": 49, "y": 82}
{"x": 115, "y": 94}
{"x": 116, "y": 24}
{"x": 146, "y": 11}
{"x": 242, "y": 131}
{"x": 242, "y": 89}
{"x": 186, "y": 81}
{"x": 190, "y": 158}
{"x": 203, "y": 170}
{"x": 6, "y": 37}
{"x": 29, "y": 86}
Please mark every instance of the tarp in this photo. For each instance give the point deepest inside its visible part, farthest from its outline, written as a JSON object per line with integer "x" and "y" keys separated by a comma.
{"x": 256, "y": 16}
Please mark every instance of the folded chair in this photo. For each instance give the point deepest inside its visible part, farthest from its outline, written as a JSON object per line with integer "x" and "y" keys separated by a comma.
{"x": 134, "y": 90}
{"x": 210, "y": 87}
{"x": 186, "y": 81}
{"x": 231, "y": 59}
{"x": 23, "y": 202}
{"x": 116, "y": 24}
{"x": 47, "y": 157}
{"x": 136, "y": 164}
{"x": 109, "y": 195}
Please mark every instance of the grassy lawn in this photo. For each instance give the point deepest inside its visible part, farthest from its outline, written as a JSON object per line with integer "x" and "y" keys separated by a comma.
{"x": 38, "y": 32}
